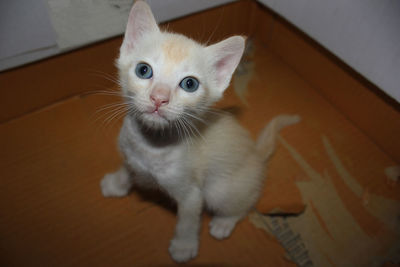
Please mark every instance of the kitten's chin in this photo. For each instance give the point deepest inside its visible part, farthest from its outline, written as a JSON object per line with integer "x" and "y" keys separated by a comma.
{"x": 154, "y": 120}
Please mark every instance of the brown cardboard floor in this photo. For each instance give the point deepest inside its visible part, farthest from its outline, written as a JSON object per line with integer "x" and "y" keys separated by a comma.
{"x": 53, "y": 214}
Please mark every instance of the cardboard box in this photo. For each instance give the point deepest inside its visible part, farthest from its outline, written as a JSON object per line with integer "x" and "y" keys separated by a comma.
{"x": 333, "y": 176}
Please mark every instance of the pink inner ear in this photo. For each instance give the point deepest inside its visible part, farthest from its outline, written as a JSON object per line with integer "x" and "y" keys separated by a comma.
{"x": 227, "y": 54}
{"x": 128, "y": 44}
{"x": 140, "y": 22}
{"x": 222, "y": 66}
{"x": 222, "y": 63}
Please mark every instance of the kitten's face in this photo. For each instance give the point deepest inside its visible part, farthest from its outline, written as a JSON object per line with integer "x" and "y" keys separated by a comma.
{"x": 170, "y": 77}
{"x": 166, "y": 76}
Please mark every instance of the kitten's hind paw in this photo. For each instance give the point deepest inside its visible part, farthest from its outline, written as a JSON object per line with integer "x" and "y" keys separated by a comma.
{"x": 116, "y": 184}
{"x": 222, "y": 227}
{"x": 183, "y": 250}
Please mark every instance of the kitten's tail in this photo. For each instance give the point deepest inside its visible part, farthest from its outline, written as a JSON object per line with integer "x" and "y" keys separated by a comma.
{"x": 267, "y": 139}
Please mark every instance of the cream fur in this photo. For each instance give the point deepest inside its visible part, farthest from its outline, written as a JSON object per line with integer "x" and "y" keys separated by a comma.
{"x": 197, "y": 157}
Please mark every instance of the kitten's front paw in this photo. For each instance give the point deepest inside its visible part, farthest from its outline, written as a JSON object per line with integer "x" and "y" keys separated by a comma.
{"x": 113, "y": 185}
{"x": 183, "y": 250}
{"x": 222, "y": 227}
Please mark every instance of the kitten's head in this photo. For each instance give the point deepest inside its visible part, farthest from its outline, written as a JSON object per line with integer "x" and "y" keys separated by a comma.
{"x": 170, "y": 76}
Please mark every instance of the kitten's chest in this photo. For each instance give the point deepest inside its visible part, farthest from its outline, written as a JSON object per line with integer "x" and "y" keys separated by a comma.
{"x": 157, "y": 162}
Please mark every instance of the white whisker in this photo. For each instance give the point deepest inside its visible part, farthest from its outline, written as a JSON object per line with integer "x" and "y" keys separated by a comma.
{"x": 192, "y": 125}
{"x": 114, "y": 116}
{"x": 185, "y": 132}
{"x": 111, "y": 105}
{"x": 194, "y": 117}
{"x": 187, "y": 126}
{"x": 106, "y": 76}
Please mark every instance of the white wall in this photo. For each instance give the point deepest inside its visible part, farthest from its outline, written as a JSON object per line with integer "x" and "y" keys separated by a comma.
{"x": 68, "y": 24}
{"x": 26, "y": 32}
{"x": 363, "y": 33}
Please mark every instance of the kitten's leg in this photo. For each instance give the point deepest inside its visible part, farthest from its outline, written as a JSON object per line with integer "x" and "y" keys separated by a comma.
{"x": 184, "y": 245}
{"x": 231, "y": 199}
{"x": 116, "y": 184}
{"x": 222, "y": 226}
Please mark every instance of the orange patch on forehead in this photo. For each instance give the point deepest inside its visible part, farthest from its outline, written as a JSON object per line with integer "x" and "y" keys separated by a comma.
{"x": 175, "y": 50}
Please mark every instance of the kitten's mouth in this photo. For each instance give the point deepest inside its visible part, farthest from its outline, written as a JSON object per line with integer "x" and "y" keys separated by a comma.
{"x": 156, "y": 112}
{"x": 155, "y": 115}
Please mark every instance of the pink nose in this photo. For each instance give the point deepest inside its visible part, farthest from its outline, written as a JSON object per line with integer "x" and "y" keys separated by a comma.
{"x": 159, "y": 97}
{"x": 159, "y": 101}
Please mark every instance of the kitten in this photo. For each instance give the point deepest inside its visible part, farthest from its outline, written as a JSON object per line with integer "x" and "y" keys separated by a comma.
{"x": 172, "y": 141}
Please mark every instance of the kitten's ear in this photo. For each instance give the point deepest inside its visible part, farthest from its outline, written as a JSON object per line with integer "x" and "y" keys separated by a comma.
{"x": 225, "y": 57}
{"x": 140, "y": 22}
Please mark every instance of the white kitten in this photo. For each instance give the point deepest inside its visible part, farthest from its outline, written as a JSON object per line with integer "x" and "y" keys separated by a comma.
{"x": 171, "y": 141}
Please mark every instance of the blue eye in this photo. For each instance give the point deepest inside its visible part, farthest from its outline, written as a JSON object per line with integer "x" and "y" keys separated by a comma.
{"x": 189, "y": 84}
{"x": 144, "y": 71}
